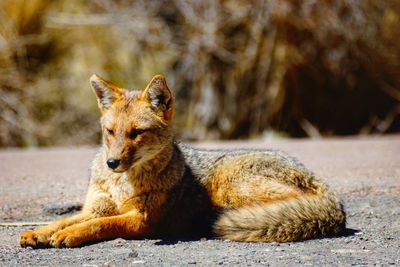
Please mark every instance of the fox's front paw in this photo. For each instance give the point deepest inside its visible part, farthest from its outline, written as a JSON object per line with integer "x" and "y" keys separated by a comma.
{"x": 66, "y": 239}
{"x": 34, "y": 239}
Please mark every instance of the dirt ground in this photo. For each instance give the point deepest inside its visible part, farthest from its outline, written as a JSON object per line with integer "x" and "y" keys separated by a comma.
{"x": 36, "y": 184}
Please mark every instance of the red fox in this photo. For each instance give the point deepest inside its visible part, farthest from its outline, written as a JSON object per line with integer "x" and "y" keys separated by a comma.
{"x": 144, "y": 184}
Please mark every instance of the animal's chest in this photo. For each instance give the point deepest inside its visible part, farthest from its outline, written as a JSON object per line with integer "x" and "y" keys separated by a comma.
{"x": 122, "y": 191}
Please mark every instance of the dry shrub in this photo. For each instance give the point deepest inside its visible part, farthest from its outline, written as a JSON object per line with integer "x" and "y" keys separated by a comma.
{"x": 238, "y": 68}
{"x": 303, "y": 67}
{"x": 346, "y": 78}
{"x": 46, "y": 87}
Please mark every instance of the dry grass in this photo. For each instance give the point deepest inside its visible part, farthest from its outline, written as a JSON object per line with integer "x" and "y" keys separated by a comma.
{"x": 238, "y": 68}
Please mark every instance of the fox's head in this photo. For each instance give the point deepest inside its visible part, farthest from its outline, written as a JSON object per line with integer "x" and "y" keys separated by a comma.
{"x": 136, "y": 125}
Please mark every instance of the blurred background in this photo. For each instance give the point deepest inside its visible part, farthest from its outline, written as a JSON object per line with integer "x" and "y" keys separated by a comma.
{"x": 238, "y": 69}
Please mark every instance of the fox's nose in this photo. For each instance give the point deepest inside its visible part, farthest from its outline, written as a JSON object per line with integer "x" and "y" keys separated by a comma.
{"x": 113, "y": 163}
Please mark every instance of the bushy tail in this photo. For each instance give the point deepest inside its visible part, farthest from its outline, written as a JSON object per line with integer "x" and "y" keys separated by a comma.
{"x": 305, "y": 217}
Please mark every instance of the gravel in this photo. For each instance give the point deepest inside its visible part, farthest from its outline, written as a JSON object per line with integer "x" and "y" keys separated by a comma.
{"x": 37, "y": 185}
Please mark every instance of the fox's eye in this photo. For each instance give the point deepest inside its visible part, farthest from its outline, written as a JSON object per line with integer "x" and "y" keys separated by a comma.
{"x": 110, "y": 131}
{"x": 135, "y": 133}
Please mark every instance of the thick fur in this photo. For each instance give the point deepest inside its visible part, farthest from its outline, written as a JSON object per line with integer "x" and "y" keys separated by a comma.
{"x": 295, "y": 219}
{"x": 267, "y": 196}
{"x": 164, "y": 189}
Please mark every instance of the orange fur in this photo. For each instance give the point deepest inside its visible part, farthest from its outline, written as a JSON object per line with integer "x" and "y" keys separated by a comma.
{"x": 144, "y": 184}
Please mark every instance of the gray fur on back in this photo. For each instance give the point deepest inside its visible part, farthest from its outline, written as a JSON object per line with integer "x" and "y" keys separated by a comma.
{"x": 202, "y": 160}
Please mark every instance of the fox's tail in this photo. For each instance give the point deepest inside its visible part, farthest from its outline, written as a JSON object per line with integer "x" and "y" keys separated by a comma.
{"x": 309, "y": 216}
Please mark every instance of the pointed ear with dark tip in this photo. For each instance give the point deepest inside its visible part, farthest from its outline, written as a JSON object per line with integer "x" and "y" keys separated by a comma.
{"x": 105, "y": 91}
{"x": 159, "y": 96}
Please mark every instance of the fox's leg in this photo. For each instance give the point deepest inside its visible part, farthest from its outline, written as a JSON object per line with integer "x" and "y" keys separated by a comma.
{"x": 249, "y": 191}
{"x": 97, "y": 204}
{"x": 248, "y": 180}
{"x": 128, "y": 225}
{"x": 136, "y": 222}
{"x": 41, "y": 236}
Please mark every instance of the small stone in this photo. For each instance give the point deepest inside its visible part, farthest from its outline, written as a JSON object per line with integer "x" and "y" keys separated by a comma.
{"x": 133, "y": 254}
{"x": 138, "y": 262}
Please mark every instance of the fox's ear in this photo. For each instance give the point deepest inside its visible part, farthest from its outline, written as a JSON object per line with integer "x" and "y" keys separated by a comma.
{"x": 106, "y": 92}
{"x": 159, "y": 96}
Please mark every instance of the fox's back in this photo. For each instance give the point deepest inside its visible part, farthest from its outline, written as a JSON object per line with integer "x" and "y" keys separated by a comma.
{"x": 203, "y": 161}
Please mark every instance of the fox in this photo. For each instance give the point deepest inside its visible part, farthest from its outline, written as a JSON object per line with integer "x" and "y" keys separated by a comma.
{"x": 146, "y": 184}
